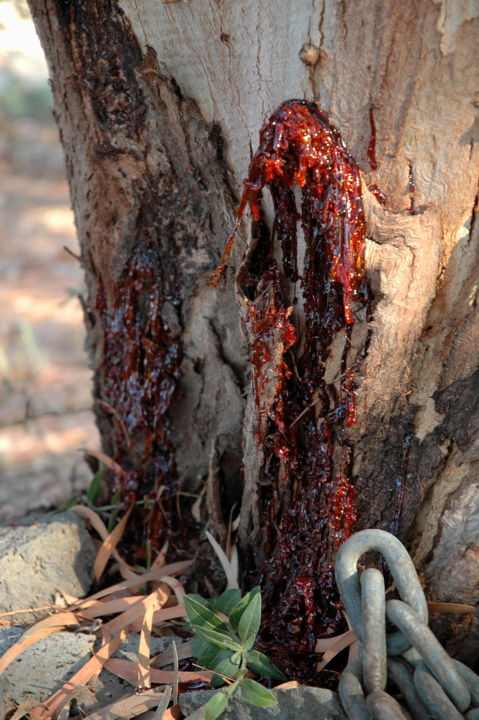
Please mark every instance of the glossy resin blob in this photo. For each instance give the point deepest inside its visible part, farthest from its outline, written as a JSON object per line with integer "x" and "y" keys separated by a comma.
{"x": 301, "y": 308}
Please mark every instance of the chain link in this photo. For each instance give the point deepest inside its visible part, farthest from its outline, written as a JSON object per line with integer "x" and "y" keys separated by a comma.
{"x": 432, "y": 685}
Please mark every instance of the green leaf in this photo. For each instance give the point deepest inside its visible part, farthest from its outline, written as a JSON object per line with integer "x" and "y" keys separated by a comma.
{"x": 218, "y": 639}
{"x": 227, "y": 667}
{"x": 248, "y": 625}
{"x": 237, "y": 612}
{"x": 94, "y": 490}
{"x": 227, "y": 601}
{"x": 112, "y": 520}
{"x": 210, "y": 657}
{"x": 215, "y": 706}
{"x": 205, "y": 653}
{"x": 199, "y": 613}
{"x": 256, "y": 694}
{"x": 263, "y": 666}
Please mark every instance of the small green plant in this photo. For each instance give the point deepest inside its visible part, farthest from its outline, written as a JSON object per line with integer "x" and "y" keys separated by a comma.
{"x": 225, "y": 630}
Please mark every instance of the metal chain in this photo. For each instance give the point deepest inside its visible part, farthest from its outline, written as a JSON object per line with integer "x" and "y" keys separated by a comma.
{"x": 432, "y": 684}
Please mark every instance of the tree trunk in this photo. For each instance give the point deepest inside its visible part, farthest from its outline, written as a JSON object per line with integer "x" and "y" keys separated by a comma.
{"x": 159, "y": 106}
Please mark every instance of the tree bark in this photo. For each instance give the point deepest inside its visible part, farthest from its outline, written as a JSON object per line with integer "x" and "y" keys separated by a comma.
{"x": 158, "y": 106}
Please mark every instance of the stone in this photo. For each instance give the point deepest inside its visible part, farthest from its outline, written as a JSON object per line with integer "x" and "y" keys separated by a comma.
{"x": 42, "y": 668}
{"x": 9, "y": 636}
{"x": 307, "y": 703}
{"x": 40, "y": 556}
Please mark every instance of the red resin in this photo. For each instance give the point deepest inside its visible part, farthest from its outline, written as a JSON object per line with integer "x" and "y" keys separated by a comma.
{"x": 306, "y": 495}
{"x": 378, "y": 194}
{"x": 140, "y": 372}
{"x": 372, "y": 141}
{"x": 412, "y": 189}
{"x": 270, "y": 329}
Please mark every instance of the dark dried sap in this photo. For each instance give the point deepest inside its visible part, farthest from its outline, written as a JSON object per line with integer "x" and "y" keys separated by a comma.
{"x": 412, "y": 189}
{"x": 378, "y": 194}
{"x": 372, "y": 140}
{"x": 306, "y": 493}
{"x": 140, "y": 371}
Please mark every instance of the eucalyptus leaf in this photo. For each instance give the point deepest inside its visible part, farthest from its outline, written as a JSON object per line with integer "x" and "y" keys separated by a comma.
{"x": 227, "y": 601}
{"x": 249, "y": 623}
{"x": 94, "y": 490}
{"x": 198, "y": 646}
{"x": 198, "y": 613}
{"x": 112, "y": 519}
{"x": 238, "y": 610}
{"x": 262, "y": 665}
{"x": 256, "y": 694}
{"x": 227, "y": 667}
{"x": 217, "y": 681}
{"x": 218, "y": 639}
{"x": 208, "y": 655}
{"x": 215, "y": 706}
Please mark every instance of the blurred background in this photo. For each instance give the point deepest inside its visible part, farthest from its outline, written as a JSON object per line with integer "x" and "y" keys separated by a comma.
{"x": 45, "y": 380}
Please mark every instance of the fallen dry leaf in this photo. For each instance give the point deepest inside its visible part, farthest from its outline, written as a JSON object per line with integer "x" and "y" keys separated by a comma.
{"x": 159, "y": 561}
{"x": 81, "y": 694}
{"x": 435, "y": 608}
{"x": 162, "y": 707}
{"x": 128, "y": 671}
{"x": 175, "y": 585}
{"x": 109, "y": 607}
{"x": 97, "y": 523}
{"x": 160, "y": 616}
{"x": 108, "y": 547}
{"x": 131, "y": 706}
{"x": 29, "y": 610}
{"x": 330, "y": 647}
{"x": 65, "y": 619}
{"x": 176, "y": 673}
{"x": 153, "y": 575}
{"x": 166, "y": 658}
{"x": 157, "y": 598}
{"x": 173, "y": 713}
{"x": 105, "y": 459}
{"x": 144, "y": 646}
{"x": 289, "y": 685}
{"x": 230, "y": 569}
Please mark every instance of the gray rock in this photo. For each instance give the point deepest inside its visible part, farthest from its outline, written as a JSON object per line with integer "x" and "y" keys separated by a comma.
{"x": 9, "y": 636}
{"x": 43, "y": 667}
{"x": 307, "y": 703}
{"x": 40, "y": 556}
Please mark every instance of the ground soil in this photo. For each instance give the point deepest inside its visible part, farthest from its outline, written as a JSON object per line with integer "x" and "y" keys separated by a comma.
{"x": 45, "y": 388}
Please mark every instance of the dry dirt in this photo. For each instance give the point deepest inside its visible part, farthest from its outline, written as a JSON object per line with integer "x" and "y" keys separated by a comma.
{"x": 45, "y": 381}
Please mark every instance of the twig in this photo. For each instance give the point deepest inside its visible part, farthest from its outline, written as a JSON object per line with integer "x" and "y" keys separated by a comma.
{"x": 70, "y": 252}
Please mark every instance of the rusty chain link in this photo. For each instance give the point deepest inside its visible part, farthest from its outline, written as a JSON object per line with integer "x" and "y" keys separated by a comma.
{"x": 432, "y": 684}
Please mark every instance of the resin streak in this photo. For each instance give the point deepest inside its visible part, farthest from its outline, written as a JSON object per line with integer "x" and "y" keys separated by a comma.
{"x": 306, "y": 493}
{"x": 142, "y": 358}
